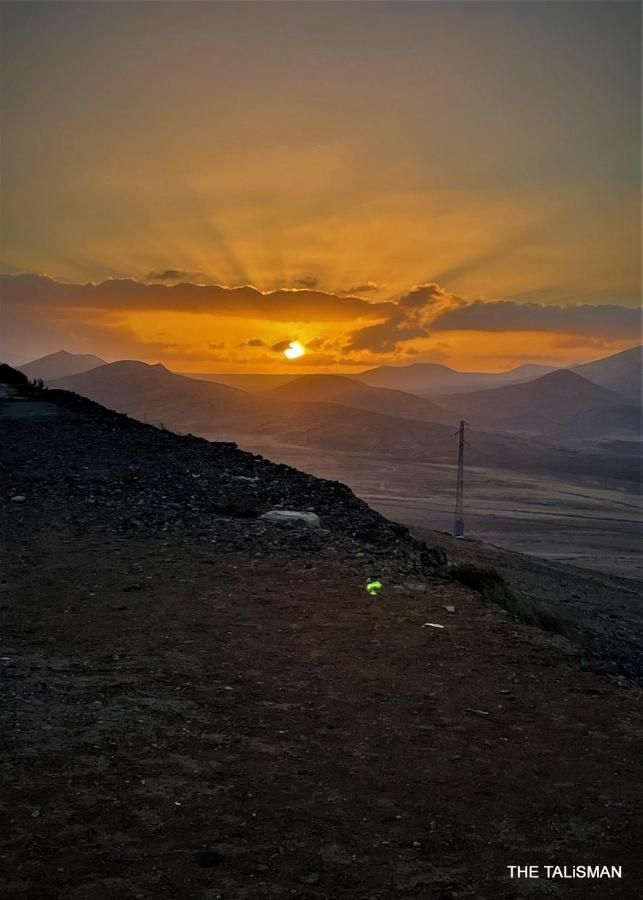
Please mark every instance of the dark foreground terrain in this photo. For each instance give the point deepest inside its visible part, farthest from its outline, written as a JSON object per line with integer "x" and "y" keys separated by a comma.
{"x": 200, "y": 705}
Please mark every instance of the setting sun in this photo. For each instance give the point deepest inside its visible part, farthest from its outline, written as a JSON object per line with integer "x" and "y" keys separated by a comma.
{"x": 294, "y": 350}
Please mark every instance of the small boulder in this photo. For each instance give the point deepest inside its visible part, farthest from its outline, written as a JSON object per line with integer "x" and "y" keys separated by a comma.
{"x": 292, "y": 517}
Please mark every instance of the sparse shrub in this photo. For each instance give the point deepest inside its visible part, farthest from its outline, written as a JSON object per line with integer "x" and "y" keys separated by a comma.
{"x": 17, "y": 379}
{"x": 488, "y": 582}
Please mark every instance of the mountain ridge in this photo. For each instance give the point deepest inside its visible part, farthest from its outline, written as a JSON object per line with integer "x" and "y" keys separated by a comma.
{"x": 220, "y": 412}
{"x": 561, "y": 405}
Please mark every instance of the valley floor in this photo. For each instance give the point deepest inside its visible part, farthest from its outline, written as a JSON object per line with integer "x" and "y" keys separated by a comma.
{"x": 190, "y": 725}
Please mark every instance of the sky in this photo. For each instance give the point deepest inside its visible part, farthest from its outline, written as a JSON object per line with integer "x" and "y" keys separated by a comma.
{"x": 384, "y": 182}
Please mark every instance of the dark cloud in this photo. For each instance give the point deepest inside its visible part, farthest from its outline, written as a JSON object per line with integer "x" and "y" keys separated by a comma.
{"x": 424, "y": 296}
{"x": 254, "y": 342}
{"x": 318, "y": 343}
{"x": 177, "y": 275}
{"x": 25, "y": 292}
{"x": 280, "y": 346}
{"x": 603, "y": 321}
{"x": 407, "y": 320}
{"x": 428, "y": 308}
{"x": 364, "y": 288}
{"x": 385, "y": 336}
{"x": 308, "y": 281}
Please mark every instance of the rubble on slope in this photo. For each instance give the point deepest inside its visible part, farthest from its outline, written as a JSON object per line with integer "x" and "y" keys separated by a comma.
{"x": 96, "y": 468}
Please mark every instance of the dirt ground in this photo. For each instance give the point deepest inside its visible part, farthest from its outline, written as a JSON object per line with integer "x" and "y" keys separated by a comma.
{"x": 186, "y": 724}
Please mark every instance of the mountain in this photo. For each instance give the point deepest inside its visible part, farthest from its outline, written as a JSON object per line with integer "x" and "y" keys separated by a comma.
{"x": 434, "y": 379}
{"x": 251, "y": 383}
{"x": 348, "y": 392}
{"x": 154, "y": 394}
{"x": 620, "y": 372}
{"x": 559, "y": 405}
{"x": 60, "y": 364}
{"x": 218, "y": 412}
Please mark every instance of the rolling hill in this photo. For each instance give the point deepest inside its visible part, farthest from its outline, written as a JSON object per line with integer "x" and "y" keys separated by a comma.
{"x": 245, "y": 382}
{"x": 620, "y": 372}
{"x": 560, "y": 405}
{"x": 218, "y": 412}
{"x": 348, "y": 392}
{"x": 434, "y": 379}
{"x": 153, "y": 394}
{"x": 60, "y": 364}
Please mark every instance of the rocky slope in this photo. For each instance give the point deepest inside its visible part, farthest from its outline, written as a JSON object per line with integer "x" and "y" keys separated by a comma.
{"x": 199, "y": 706}
{"x": 121, "y": 476}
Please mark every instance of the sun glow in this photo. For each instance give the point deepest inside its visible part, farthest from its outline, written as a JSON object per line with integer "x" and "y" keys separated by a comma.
{"x": 294, "y": 350}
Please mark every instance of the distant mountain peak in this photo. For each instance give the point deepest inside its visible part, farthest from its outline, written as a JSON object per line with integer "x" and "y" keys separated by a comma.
{"x": 60, "y": 364}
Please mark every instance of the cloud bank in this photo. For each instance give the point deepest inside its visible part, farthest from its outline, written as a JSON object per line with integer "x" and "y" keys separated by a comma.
{"x": 167, "y": 321}
{"x": 246, "y": 301}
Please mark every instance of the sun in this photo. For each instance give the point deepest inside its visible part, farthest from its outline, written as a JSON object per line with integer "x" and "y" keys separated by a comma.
{"x": 294, "y": 350}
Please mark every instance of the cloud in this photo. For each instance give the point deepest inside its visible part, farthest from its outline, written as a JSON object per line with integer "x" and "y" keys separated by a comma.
{"x": 283, "y": 305}
{"x": 428, "y": 308}
{"x": 41, "y": 313}
{"x": 280, "y": 346}
{"x": 308, "y": 281}
{"x": 385, "y": 336}
{"x": 605, "y": 321}
{"x": 318, "y": 343}
{"x": 365, "y": 288}
{"x": 407, "y": 320}
{"x": 177, "y": 275}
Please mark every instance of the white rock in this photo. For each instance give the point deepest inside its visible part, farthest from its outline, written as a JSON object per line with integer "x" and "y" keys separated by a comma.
{"x": 288, "y": 516}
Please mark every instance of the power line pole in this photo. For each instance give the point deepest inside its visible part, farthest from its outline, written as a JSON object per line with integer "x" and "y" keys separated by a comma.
{"x": 458, "y": 527}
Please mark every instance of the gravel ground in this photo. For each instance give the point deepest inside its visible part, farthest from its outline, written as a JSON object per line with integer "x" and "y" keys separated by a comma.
{"x": 199, "y": 707}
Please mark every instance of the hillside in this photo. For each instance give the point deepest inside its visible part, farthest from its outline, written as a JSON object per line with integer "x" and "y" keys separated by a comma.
{"x": 199, "y": 704}
{"x": 218, "y": 412}
{"x": 559, "y": 405}
{"x": 251, "y": 383}
{"x": 433, "y": 379}
{"x": 60, "y": 364}
{"x": 620, "y": 373}
{"x": 153, "y": 394}
{"x": 348, "y": 392}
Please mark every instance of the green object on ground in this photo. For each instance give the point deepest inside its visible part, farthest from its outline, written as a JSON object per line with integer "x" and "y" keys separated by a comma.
{"x": 373, "y": 587}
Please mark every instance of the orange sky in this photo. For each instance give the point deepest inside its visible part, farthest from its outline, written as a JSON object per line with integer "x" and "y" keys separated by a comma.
{"x": 327, "y": 150}
{"x": 195, "y": 327}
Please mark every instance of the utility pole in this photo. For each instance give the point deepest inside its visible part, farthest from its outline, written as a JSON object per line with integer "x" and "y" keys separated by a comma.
{"x": 458, "y": 527}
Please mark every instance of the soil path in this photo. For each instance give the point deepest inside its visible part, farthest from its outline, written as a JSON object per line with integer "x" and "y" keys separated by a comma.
{"x": 192, "y": 725}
